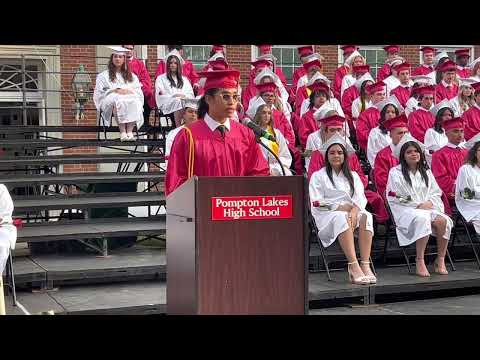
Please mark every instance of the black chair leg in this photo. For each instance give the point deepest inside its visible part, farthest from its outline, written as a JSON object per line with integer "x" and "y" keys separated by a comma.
{"x": 407, "y": 260}
{"x": 324, "y": 258}
{"x": 465, "y": 225}
{"x": 451, "y": 261}
{"x": 12, "y": 279}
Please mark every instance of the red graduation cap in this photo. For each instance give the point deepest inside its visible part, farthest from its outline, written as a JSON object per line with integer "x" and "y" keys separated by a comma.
{"x": 476, "y": 87}
{"x": 348, "y": 49}
{"x": 462, "y": 52}
{"x": 454, "y": 123}
{"x": 373, "y": 88}
{"x": 315, "y": 62}
{"x": 265, "y": 48}
{"x": 305, "y": 50}
{"x": 334, "y": 120}
{"x": 266, "y": 87}
{"x": 426, "y": 90}
{"x": 448, "y": 65}
{"x": 402, "y": 67}
{"x": 319, "y": 86}
{"x": 262, "y": 63}
{"x": 428, "y": 49}
{"x": 361, "y": 69}
{"x": 220, "y": 79}
{"x": 396, "y": 122}
{"x": 392, "y": 49}
{"x": 217, "y": 48}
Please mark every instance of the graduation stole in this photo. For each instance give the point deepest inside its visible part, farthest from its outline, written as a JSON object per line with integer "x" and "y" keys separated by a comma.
{"x": 191, "y": 153}
{"x": 273, "y": 145}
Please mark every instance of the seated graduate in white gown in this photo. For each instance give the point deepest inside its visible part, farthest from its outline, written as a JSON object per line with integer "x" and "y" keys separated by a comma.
{"x": 118, "y": 92}
{"x": 417, "y": 208}
{"x": 261, "y": 113}
{"x": 467, "y": 186}
{"x": 172, "y": 87}
{"x": 337, "y": 202}
{"x": 379, "y": 138}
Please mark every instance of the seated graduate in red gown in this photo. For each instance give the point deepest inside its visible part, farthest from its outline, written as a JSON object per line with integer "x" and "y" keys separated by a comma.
{"x": 215, "y": 145}
{"x": 264, "y": 51}
{"x": 462, "y": 57}
{"x": 447, "y": 161}
{"x": 419, "y": 81}
{"x": 446, "y": 89}
{"x": 404, "y": 90}
{"x": 342, "y": 70}
{"x": 392, "y": 52}
{"x": 393, "y": 81}
{"x": 385, "y": 159}
{"x": 422, "y": 119}
{"x": 370, "y": 117}
{"x": 427, "y": 67}
{"x": 313, "y": 65}
{"x": 188, "y": 70}
{"x": 356, "y": 60}
{"x": 218, "y": 51}
{"x": 472, "y": 116}
{"x": 251, "y": 90}
{"x": 335, "y": 125}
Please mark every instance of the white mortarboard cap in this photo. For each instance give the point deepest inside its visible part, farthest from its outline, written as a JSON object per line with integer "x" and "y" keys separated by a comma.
{"x": 266, "y": 72}
{"x": 216, "y": 56}
{"x": 252, "y": 110}
{"x": 337, "y": 139}
{"x": 314, "y": 56}
{"x": 318, "y": 56}
{"x": 175, "y": 52}
{"x": 466, "y": 82}
{"x": 445, "y": 103}
{"x": 353, "y": 55}
{"x": 318, "y": 77}
{"x": 362, "y": 79}
{"x": 473, "y": 63}
{"x": 391, "y": 100}
{"x": 190, "y": 103}
{"x": 322, "y": 111}
{"x": 440, "y": 56}
{"x": 119, "y": 50}
{"x": 422, "y": 79}
{"x": 396, "y": 61}
{"x": 469, "y": 144}
{"x": 405, "y": 138}
{"x": 267, "y": 57}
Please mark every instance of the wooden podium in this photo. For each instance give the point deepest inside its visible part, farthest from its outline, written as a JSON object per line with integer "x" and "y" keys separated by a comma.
{"x": 237, "y": 266}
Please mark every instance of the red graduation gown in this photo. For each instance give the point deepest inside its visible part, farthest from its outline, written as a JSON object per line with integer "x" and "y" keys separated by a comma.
{"x": 337, "y": 81}
{"x": 237, "y": 154}
{"x": 384, "y": 161}
{"x": 297, "y": 74}
{"x": 188, "y": 70}
{"x": 445, "y": 165}
{"x": 317, "y": 162}
{"x": 348, "y": 97}
{"x": 366, "y": 122}
{"x": 472, "y": 122}
{"x": 247, "y": 94}
{"x": 463, "y": 73}
{"x": 402, "y": 94}
{"x": 384, "y": 72}
{"x": 419, "y": 122}
{"x": 441, "y": 92}
{"x": 138, "y": 68}
{"x": 301, "y": 95}
{"x": 422, "y": 70}
{"x": 306, "y": 126}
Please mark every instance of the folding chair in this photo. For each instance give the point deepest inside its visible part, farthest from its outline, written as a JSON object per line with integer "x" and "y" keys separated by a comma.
{"x": 102, "y": 124}
{"x": 10, "y": 284}
{"x": 468, "y": 227}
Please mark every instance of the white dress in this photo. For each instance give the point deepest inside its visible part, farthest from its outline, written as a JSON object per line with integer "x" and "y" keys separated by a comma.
{"x": 8, "y": 231}
{"x": 412, "y": 223}
{"x": 283, "y": 154}
{"x": 357, "y": 107}
{"x": 331, "y": 222}
{"x": 347, "y": 81}
{"x": 469, "y": 177}
{"x": 129, "y": 107}
{"x": 165, "y": 93}
{"x": 433, "y": 141}
{"x": 376, "y": 142}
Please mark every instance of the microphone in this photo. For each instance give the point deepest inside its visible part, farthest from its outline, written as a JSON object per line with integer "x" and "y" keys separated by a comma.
{"x": 257, "y": 129}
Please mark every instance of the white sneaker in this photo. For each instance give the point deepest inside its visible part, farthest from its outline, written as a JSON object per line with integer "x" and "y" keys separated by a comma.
{"x": 123, "y": 137}
{"x": 130, "y": 137}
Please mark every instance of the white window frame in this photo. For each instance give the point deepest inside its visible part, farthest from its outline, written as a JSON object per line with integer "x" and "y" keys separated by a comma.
{"x": 162, "y": 51}
{"x": 448, "y": 48}
{"x": 341, "y": 60}
{"x": 255, "y": 53}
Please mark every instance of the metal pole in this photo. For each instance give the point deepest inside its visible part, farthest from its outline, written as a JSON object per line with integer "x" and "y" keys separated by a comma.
{"x": 24, "y": 95}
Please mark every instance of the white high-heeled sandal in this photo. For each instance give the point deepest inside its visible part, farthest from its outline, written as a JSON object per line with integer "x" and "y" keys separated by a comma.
{"x": 371, "y": 278}
{"x": 361, "y": 280}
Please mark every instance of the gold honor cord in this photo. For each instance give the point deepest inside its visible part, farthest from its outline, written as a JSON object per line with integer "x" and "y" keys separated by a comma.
{"x": 191, "y": 152}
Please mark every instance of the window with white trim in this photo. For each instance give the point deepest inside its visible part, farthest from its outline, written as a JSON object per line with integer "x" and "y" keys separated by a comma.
{"x": 287, "y": 59}
{"x": 450, "y": 50}
{"x": 197, "y": 54}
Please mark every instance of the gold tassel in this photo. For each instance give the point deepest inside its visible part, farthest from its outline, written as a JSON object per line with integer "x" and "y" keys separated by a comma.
{"x": 191, "y": 152}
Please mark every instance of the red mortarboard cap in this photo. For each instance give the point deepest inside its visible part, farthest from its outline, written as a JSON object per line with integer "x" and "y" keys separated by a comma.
{"x": 262, "y": 63}
{"x": 454, "y": 123}
{"x": 314, "y": 62}
{"x": 448, "y": 65}
{"x": 402, "y": 67}
{"x": 428, "y": 49}
{"x": 476, "y": 87}
{"x": 348, "y": 49}
{"x": 266, "y": 87}
{"x": 220, "y": 79}
{"x": 426, "y": 90}
{"x": 391, "y": 48}
{"x": 305, "y": 50}
{"x": 265, "y": 48}
{"x": 361, "y": 69}
{"x": 373, "y": 88}
{"x": 319, "y": 86}
{"x": 217, "y": 48}
{"x": 462, "y": 52}
{"x": 396, "y": 122}
{"x": 334, "y": 120}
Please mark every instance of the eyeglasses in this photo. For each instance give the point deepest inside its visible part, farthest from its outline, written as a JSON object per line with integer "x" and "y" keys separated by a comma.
{"x": 228, "y": 97}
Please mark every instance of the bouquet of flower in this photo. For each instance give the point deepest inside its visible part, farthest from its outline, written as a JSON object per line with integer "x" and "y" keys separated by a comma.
{"x": 322, "y": 206}
{"x": 18, "y": 223}
{"x": 401, "y": 199}
{"x": 468, "y": 194}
